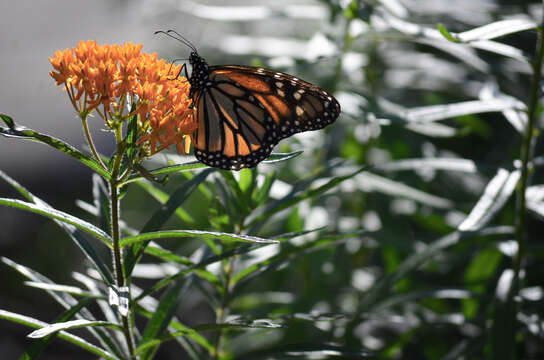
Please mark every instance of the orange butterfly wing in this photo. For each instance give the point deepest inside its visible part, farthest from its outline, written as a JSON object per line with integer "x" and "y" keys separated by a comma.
{"x": 243, "y": 112}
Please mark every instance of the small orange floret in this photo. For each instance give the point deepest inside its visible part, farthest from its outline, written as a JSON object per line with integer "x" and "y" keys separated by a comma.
{"x": 101, "y": 77}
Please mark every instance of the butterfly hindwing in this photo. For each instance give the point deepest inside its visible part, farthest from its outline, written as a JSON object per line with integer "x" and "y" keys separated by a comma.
{"x": 243, "y": 112}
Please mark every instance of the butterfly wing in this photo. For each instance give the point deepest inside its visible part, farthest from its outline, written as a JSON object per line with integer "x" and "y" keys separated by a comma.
{"x": 243, "y": 112}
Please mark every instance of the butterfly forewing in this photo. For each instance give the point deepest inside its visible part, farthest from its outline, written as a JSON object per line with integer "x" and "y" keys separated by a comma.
{"x": 243, "y": 112}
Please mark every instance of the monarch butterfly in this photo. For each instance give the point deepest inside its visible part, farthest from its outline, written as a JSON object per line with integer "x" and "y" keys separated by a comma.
{"x": 242, "y": 112}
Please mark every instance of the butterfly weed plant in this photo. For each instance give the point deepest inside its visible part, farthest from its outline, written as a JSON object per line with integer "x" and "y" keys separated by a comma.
{"x": 433, "y": 252}
{"x": 147, "y": 110}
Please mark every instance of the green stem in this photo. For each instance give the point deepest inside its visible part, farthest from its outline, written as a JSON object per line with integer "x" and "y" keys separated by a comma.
{"x": 223, "y": 311}
{"x": 346, "y": 45}
{"x": 116, "y": 235}
{"x": 526, "y": 152}
{"x": 91, "y": 143}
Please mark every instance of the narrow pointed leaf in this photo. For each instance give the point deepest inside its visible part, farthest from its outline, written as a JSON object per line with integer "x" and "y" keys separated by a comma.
{"x": 289, "y": 253}
{"x": 75, "y": 234}
{"x": 162, "y": 197}
{"x": 175, "y": 326}
{"x": 58, "y": 215}
{"x": 496, "y": 29}
{"x": 441, "y": 112}
{"x": 174, "y": 234}
{"x": 168, "y": 170}
{"x": 158, "y": 219}
{"x": 308, "y": 351}
{"x": 73, "y": 324}
{"x": 268, "y": 210}
{"x": 164, "y": 312}
{"x": 369, "y": 182}
{"x": 240, "y": 324}
{"x": 495, "y": 195}
{"x": 450, "y": 164}
{"x": 67, "y": 301}
{"x": 34, "y": 350}
{"x": 76, "y": 340}
{"x": 74, "y": 290}
{"x": 102, "y": 203}
{"x": 215, "y": 258}
{"x": 21, "y": 132}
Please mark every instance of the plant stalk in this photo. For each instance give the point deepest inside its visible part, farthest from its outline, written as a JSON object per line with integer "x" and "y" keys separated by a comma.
{"x": 91, "y": 143}
{"x": 115, "y": 235}
{"x": 526, "y": 152}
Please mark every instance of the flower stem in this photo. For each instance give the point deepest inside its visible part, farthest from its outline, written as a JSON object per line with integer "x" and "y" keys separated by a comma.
{"x": 115, "y": 235}
{"x": 526, "y": 151}
{"x": 223, "y": 311}
{"x": 91, "y": 143}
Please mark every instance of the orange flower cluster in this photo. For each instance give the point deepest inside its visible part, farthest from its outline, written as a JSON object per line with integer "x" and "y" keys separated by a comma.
{"x": 109, "y": 79}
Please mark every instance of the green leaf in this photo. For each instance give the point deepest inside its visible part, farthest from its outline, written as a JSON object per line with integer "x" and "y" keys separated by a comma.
{"x": 216, "y": 258}
{"x": 60, "y": 288}
{"x": 447, "y": 34}
{"x": 164, "y": 312}
{"x": 34, "y": 350}
{"x": 425, "y": 114}
{"x": 65, "y": 300}
{"x": 380, "y": 291}
{"x": 73, "y": 324}
{"x": 76, "y": 340}
{"x": 236, "y": 324}
{"x": 132, "y": 137}
{"x": 239, "y": 198}
{"x": 496, "y": 29}
{"x": 165, "y": 255}
{"x": 266, "y": 211}
{"x": 308, "y": 351}
{"x": 75, "y": 234}
{"x": 279, "y": 157}
{"x": 503, "y": 330}
{"x": 101, "y": 202}
{"x": 289, "y": 253}
{"x": 448, "y": 164}
{"x": 7, "y": 120}
{"x": 403, "y": 298}
{"x": 212, "y": 235}
{"x": 158, "y": 219}
{"x": 175, "y": 325}
{"x": 162, "y": 197}
{"x": 370, "y": 182}
{"x": 483, "y": 267}
{"x": 495, "y": 195}
{"x": 261, "y": 195}
{"x": 21, "y": 132}
{"x": 192, "y": 165}
{"x": 58, "y": 215}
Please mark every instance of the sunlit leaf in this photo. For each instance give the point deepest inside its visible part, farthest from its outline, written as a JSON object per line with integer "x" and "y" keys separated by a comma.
{"x": 76, "y": 340}
{"x": 495, "y": 195}
{"x": 74, "y": 324}
{"x": 34, "y": 350}
{"x": 20, "y": 132}
{"x": 497, "y": 29}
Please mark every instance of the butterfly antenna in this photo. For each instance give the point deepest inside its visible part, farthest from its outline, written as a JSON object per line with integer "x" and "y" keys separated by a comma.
{"x": 178, "y": 37}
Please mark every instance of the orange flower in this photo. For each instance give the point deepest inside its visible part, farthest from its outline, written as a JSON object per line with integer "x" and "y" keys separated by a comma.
{"x": 109, "y": 79}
